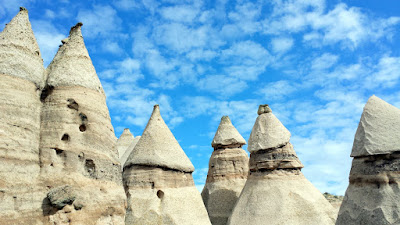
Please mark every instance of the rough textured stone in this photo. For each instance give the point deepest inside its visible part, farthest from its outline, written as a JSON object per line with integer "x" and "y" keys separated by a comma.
{"x": 128, "y": 151}
{"x": 77, "y": 144}
{"x": 124, "y": 141}
{"x": 227, "y": 134}
{"x": 21, "y": 78}
{"x": 276, "y": 192}
{"x": 158, "y": 147}
{"x": 268, "y": 132}
{"x": 373, "y": 194}
{"x": 378, "y": 130}
{"x": 227, "y": 173}
{"x": 160, "y": 191}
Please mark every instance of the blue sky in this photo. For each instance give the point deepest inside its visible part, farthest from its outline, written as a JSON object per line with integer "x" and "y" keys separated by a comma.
{"x": 315, "y": 62}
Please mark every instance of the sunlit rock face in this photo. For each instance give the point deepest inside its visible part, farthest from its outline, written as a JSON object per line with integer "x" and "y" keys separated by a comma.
{"x": 128, "y": 151}
{"x": 123, "y": 142}
{"x": 77, "y": 146}
{"x": 227, "y": 172}
{"x": 373, "y": 195}
{"x": 276, "y": 192}
{"x": 158, "y": 180}
{"x": 21, "y": 80}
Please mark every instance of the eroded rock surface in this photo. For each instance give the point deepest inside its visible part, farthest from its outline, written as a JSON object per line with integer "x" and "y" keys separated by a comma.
{"x": 128, "y": 151}
{"x": 276, "y": 192}
{"x": 158, "y": 180}
{"x": 373, "y": 195}
{"x": 124, "y": 141}
{"x": 227, "y": 172}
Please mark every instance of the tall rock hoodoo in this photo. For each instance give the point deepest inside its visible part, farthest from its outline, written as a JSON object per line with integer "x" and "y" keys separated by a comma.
{"x": 21, "y": 81}
{"x": 373, "y": 194}
{"x": 227, "y": 172}
{"x": 158, "y": 180}
{"x": 124, "y": 141}
{"x": 276, "y": 192}
{"x": 128, "y": 151}
{"x": 78, "y": 156}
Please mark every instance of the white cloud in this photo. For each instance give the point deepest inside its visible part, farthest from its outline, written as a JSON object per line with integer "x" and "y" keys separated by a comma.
{"x": 112, "y": 47}
{"x": 325, "y": 61}
{"x": 277, "y": 90}
{"x": 281, "y": 45}
{"x": 180, "y": 13}
{"x": 223, "y": 85}
{"x": 387, "y": 72}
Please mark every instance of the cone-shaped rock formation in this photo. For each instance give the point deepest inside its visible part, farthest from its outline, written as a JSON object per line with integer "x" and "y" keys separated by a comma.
{"x": 373, "y": 194}
{"x": 128, "y": 151}
{"x": 276, "y": 192}
{"x": 21, "y": 80}
{"x": 227, "y": 172}
{"x": 158, "y": 180}
{"x": 124, "y": 141}
{"x": 78, "y": 156}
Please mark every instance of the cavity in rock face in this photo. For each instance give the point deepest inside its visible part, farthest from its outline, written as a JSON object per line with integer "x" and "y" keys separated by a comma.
{"x": 75, "y": 119}
{"x": 21, "y": 81}
{"x": 276, "y": 192}
{"x": 123, "y": 142}
{"x": 227, "y": 172}
{"x": 373, "y": 194}
{"x": 158, "y": 180}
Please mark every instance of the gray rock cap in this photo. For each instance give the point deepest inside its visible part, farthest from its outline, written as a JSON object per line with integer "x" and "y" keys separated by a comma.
{"x": 227, "y": 134}
{"x": 268, "y": 132}
{"x": 158, "y": 147}
{"x": 72, "y": 65}
{"x": 379, "y": 129}
{"x": 19, "y": 52}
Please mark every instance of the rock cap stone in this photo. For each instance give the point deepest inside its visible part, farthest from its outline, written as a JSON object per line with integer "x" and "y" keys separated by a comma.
{"x": 72, "y": 65}
{"x": 19, "y": 51}
{"x": 378, "y": 130}
{"x": 227, "y": 134}
{"x": 268, "y": 132}
{"x": 158, "y": 147}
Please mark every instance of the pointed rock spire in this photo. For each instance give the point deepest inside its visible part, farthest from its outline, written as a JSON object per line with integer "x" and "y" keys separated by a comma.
{"x": 268, "y": 132}
{"x": 227, "y": 134}
{"x": 124, "y": 141}
{"x": 158, "y": 147}
{"x": 19, "y": 51}
{"x": 72, "y": 65}
{"x": 378, "y": 130}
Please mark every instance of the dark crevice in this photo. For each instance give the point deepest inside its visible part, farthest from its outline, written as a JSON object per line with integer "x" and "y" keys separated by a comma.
{"x": 46, "y": 92}
{"x": 65, "y": 137}
{"x": 160, "y": 194}
{"x": 72, "y": 104}
{"x": 82, "y": 128}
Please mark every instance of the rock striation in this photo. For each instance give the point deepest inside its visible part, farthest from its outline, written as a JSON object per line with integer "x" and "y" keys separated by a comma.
{"x": 124, "y": 141}
{"x": 77, "y": 142}
{"x": 158, "y": 180}
{"x": 276, "y": 192}
{"x": 373, "y": 194}
{"x": 21, "y": 80}
{"x": 227, "y": 172}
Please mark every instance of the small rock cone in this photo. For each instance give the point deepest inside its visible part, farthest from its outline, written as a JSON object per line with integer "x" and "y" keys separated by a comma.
{"x": 128, "y": 151}
{"x": 78, "y": 156}
{"x": 373, "y": 194}
{"x": 276, "y": 192}
{"x": 124, "y": 141}
{"x": 158, "y": 180}
{"x": 227, "y": 172}
{"x": 21, "y": 80}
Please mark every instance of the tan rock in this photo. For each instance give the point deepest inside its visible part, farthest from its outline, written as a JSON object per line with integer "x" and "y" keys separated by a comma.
{"x": 124, "y": 141}
{"x": 21, "y": 78}
{"x": 160, "y": 186}
{"x": 276, "y": 192}
{"x": 77, "y": 146}
{"x": 158, "y": 147}
{"x": 128, "y": 151}
{"x": 377, "y": 132}
{"x": 227, "y": 172}
{"x": 373, "y": 195}
{"x": 268, "y": 132}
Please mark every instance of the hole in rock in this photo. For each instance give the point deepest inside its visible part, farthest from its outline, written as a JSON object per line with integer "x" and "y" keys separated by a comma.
{"x": 82, "y": 128}
{"x": 65, "y": 137}
{"x": 46, "y": 92}
{"x": 90, "y": 167}
{"x": 72, "y": 104}
{"x": 160, "y": 194}
{"x": 83, "y": 117}
{"x": 59, "y": 151}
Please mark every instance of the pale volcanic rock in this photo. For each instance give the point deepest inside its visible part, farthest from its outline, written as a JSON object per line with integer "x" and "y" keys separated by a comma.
{"x": 268, "y": 132}
{"x": 227, "y": 172}
{"x": 378, "y": 130}
{"x": 124, "y": 141}
{"x": 21, "y": 78}
{"x": 78, "y": 145}
{"x": 158, "y": 147}
{"x": 158, "y": 180}
{"x": 276, "y": 192}
{"x": 128, "y": 151}
{"x": 373, "y": 195}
